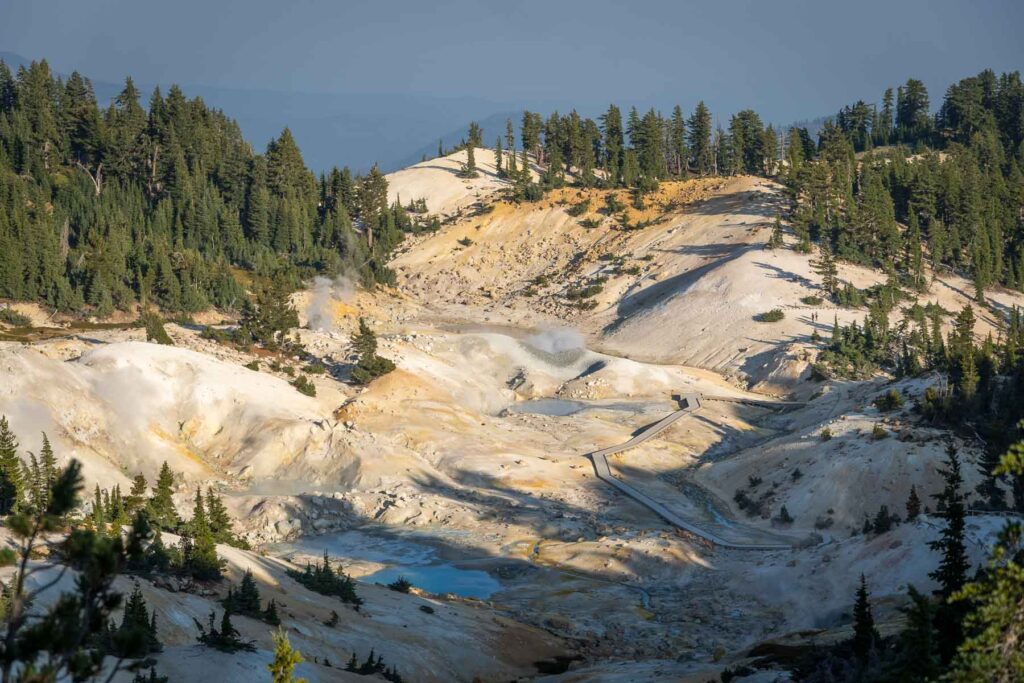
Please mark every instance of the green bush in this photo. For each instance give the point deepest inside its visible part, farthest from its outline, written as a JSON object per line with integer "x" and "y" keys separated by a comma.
{"x": 253, "y": 365}
{"x": 612, "y": 205}
{"x": 879, "y": 432}
{"x": 155, "y": 331}
{"x": 590, "y": 223}
{"x": 578, "y": 209}
{"x": 8, "y": 557}
{"x": 304, "y": 386}
{"x": 812, "y": 300}
{"x": 891, "y": 400}
{"x": 400, "y": 585}
{"x": 370, "y": 368}
{"x": 826, "y": 434}
{"x": 576, "y": 293}
{"x": 466, "y": 242}
{"x": 12, "y": 317}
{"x": 772, "y": 316}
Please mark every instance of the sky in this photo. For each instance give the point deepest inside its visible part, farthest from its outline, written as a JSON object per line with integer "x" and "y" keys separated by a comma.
{"x": 790, "y": 60}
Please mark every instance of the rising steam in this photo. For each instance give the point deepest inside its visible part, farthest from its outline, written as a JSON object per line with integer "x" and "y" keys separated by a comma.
{"x": 557, "y": 340}
{"x": 320, "y": 312}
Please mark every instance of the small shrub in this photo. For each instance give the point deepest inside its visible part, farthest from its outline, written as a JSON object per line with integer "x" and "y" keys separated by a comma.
{"x": 466, "y": 242}
{"x": 826, "y": 434}
{"x": 155, "y": 331}
{"x": 288, "y": 370}
{"x": 578, "y": 209}
{"x": 8, "y": 558}
{"x": 772, "y": 316}
{"x": 891, "y": 400}
{"x": 612, "y": 205}
{"x": 315, "y": 369}
{"x": 821, "y": 523}
{"x": 12, "y": 317}
{"x": 332, "y": 620}
{"x": 400, "y": 585}
{"x": 812, "y": 300}
{"x": 784, "y": 517}
{"x": 754, "y": 481}
{"x": 879, "y": 432}
{"x": 590, "y": 223}
{"x": 576, "y": 293}
{"x": 796, "y": 474}
{"x": 253, "y": 365}
{"x": 304, "y": 386}
{"x": 427, "y": 609}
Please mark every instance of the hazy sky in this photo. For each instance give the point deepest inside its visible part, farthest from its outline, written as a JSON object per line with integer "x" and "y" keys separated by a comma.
{"x": 789, "y": 60}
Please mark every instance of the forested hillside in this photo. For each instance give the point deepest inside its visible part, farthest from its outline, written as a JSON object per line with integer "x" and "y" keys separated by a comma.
{"x": 169, "y": 205}
{"x": 108, "y": 206}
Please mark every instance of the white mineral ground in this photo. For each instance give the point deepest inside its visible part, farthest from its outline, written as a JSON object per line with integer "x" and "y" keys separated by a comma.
{"x": 464, "y": 468}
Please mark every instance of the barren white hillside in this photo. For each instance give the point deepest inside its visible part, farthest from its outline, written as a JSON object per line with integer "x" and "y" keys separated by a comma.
{"x": 437, "y": 181}
{"x": 686, "y": 288}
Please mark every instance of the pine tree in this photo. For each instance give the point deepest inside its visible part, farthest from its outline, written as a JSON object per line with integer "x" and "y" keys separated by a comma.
{"x": 218, "y": 519}
{"x": 510, "y": 141}
{"x": 136, "y": 637}
{"x": 951, "y": 574}
{"x": 614, "y": 145}
{"x": 700, "y": 147}
{"x": 99, "y": 516}
{"x": 48, "y": 467}
{"x": 202, "y": 562}
{"x": 826, "y": 267}
{"x": 913, "y": 505}
{"x": 916, "y": 659}
{"x": 10, "y": 469}
{"x": 161, "y": 508}
{"x": 286, "y": 658}
{"x": 915, "y": 256}
{"x": 370, "y": 366}
{"x": 270, "y": 615}
{"x": 865, "y": 636}
{"x": 247, "y": 599}
{"x": 498, "y": 157}
{"x": 995, "y": 626}
{"x": 677, "y": 143}
{"x": 776, "y": 240}
{"x": 136, "y": 499}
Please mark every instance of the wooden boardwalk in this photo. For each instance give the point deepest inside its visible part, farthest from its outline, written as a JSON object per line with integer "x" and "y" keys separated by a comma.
{"x": 691, "y": 403}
